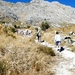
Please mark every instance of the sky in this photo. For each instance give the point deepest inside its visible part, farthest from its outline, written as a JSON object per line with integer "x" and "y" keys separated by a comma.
{"x": 65, "y": 2}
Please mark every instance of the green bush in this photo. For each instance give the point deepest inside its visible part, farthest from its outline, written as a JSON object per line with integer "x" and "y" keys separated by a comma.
{"x": 36, "y": 29}
{"x": 15, "y": 26}
{"x": 44, "y": 26}
{"x": 7, "y": 29}
{"x": 46, "y": 50}
{"x": 12, "y": 35}
{"x": 12, "y": 29}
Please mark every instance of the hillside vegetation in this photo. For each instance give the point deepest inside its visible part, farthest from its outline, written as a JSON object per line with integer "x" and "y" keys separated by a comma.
{"x": 20, "y": 55}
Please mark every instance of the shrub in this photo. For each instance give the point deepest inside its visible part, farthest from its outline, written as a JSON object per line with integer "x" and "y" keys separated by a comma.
{"x": 28, "y": 26}
{"x": 36, "y": 29}
{"x": 3, "y": 22}
{"x": 12, "y": 35}
{"x": 44, "y": 26}
{"x": 12, "y": 29}
{"x": 38, "y": 66}
{"x": 2, "y": 50}
{"x": 2, "y": 68}
{"x": 5, "y": 29}
{"x": 16, "y": 26}
{"x": 46, "y": 50}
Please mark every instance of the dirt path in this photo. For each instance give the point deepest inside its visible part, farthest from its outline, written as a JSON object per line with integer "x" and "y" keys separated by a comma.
{"x": 67, "y": 65}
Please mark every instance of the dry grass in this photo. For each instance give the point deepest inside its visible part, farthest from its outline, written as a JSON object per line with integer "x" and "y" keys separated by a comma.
{"x": 26, "y": 60}
{"x": 46, "y": 50}
{"x": 50, "y": 33}
{"x": 22, "y": 56}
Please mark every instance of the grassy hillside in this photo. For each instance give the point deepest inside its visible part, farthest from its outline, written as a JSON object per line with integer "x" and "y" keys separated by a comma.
{"x": 20, "y": 55}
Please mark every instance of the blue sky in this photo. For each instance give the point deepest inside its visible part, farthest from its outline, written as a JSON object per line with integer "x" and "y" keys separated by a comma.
{"x": 66, "y": 2}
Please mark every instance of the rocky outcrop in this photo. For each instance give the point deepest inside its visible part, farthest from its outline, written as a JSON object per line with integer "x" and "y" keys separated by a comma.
{"x": 6, "y": 15}
{"x": 37, "y": 11}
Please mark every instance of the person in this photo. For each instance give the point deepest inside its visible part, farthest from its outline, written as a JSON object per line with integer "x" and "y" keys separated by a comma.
{"x": 57, "y": 40}
{"x": 39, "y": 35}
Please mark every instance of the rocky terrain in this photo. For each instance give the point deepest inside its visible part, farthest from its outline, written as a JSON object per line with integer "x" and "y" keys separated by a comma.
{"x": 35, "y": 12}
{"x": 21, "y": 54}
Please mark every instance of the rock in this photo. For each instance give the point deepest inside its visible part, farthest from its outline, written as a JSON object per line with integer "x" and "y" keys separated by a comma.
{"x": 37, "y": 11}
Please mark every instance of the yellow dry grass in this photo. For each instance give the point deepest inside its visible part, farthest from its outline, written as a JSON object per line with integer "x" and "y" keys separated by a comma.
{"x": 21, "y": 54}
{"x": 50, "y": 33}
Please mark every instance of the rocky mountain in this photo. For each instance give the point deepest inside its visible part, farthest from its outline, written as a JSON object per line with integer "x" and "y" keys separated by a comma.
{"x": 36, "y": 12}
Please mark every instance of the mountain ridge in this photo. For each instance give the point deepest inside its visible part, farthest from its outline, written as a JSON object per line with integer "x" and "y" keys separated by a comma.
{"x": 33, "y": 13}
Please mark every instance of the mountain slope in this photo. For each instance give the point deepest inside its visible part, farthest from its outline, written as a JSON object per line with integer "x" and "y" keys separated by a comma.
{"x": 32, "y": 13}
